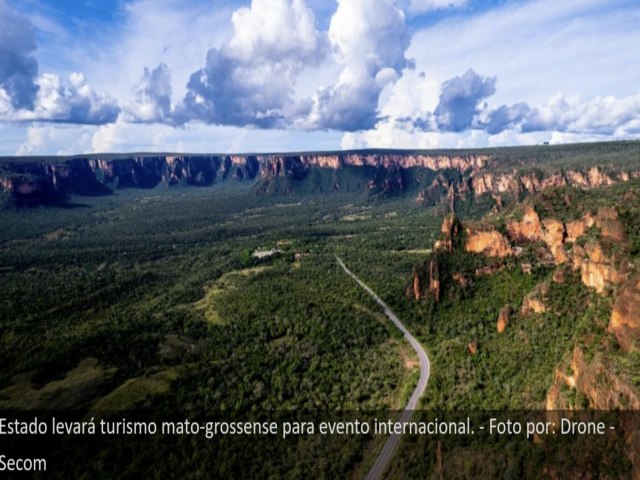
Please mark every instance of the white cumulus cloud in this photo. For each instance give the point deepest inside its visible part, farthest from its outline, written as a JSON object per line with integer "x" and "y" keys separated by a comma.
{"x": 250, "y": 79}
{"x": 18, "y": 66}
{"x": 75, "y": 102}
{"x": 152, "y": 96}
{"x": 573, "y": 114}
{"x": 370, "y": 38}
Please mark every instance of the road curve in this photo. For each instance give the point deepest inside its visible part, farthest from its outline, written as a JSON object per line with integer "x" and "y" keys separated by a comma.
{"x": 390, "y": 445}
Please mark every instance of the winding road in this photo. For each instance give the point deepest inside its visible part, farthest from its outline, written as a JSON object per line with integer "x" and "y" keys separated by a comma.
{"x": 390, "y": 445}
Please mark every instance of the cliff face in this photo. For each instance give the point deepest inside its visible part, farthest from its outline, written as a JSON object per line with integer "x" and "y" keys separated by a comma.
{"x": 94, "y": 176}
{"x": 516, "y": 183}
{"x": 529, "y": 229}
{"x": 625, "y": 316}
{"x": 597, "y": 270}
{"x": 30, "y": 190}
{"x": 580, "y": 383}
{"x": 490, "y": 244}
{"x": 434, "y": 178}
{"x": 595, "y": 246}
{"x": 595, "y": 380}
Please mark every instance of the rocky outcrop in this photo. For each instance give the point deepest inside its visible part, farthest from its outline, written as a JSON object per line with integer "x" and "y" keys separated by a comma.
{"x": 534, "y": 301}
{"x": 514, "y": 183}
{"x": 578, "y": 255}
{"x": 625, "y": 316}
{"x": 529, "y": 229}
{"x": 417, "y": 287}
{"x": 609, "y": 224}
{"x": 489, "y": 244}
{"x": 416, "y": 290}
{"x": 554, "y": 236}
{"x": 577, "y": 228}
{"x": 434, "y": 280}
{"x": 597, "y": 270}
{"x": 496, "y": 184}
{"x": 451, "y": 229}
{"x": 503, "y": 318}
{"x": 594, "y": 382}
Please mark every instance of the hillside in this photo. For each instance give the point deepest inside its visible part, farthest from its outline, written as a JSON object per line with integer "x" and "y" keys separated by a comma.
{"x": 489, "y": 176}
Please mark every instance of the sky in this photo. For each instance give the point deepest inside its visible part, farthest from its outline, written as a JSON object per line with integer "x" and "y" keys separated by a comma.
{"x": 218, "y": 76}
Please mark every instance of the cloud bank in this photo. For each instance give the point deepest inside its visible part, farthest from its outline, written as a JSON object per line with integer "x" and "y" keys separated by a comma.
{"x": 250, "y": 79}
{"x": 275, "y": 67}
{"x": 18, "y": 66}
{"x": 459, "y": 101}
{"x": 25, "y": 96}
{"x": 421, "y": 6}
{"x": 152, "y": 96}
{"x": 373, "y": 55}
{"x": 462, "y": 107}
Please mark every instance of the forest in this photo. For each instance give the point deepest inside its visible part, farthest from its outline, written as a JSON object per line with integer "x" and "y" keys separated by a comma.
{"x": 219, "y": 302}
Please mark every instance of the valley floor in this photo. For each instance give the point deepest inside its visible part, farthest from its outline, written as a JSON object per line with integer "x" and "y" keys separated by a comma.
{"x": 156, "y": 300}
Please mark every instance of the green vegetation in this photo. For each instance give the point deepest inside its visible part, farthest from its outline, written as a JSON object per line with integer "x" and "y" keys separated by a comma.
{"x": 136, "y": 390}
{"x": 145, "y": 281}
{"x": 79, "y": 384}
{"x": 162, "y": 291}
{"x": 154, "y": 301}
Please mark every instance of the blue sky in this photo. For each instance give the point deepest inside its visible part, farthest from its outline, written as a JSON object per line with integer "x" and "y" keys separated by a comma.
{"x": 278, "y": 75}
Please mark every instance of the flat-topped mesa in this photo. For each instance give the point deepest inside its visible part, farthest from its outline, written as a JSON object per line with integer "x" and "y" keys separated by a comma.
{"x": 98, "y": 175}
{"x": 278, "y": 164}
{"x": 465, "y": 176}
{"x": 462, "y": 163}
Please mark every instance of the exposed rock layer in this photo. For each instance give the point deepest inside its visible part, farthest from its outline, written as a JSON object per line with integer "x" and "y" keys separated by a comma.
{"x": 601, "y": 388}
{"x": 625, "y": 317}
{"x": 503, "y": 318}
{"x": 435, "y": 176}
{"x": 490, "y": 244}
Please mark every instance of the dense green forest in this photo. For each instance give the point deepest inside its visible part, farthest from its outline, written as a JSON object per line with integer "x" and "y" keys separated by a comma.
{"x": 217, "y": 300}
{"x": 156, "y": 301}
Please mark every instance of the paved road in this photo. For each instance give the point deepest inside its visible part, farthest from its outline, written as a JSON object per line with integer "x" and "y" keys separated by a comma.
{"x": 392, "y": 442}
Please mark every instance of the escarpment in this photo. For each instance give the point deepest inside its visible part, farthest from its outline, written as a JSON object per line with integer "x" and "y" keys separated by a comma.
{"x": 431, "y": 177}
{"x": 575, "y": 256}
{"x": 96, "y": 175}
{"x": 578, "y": 244}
